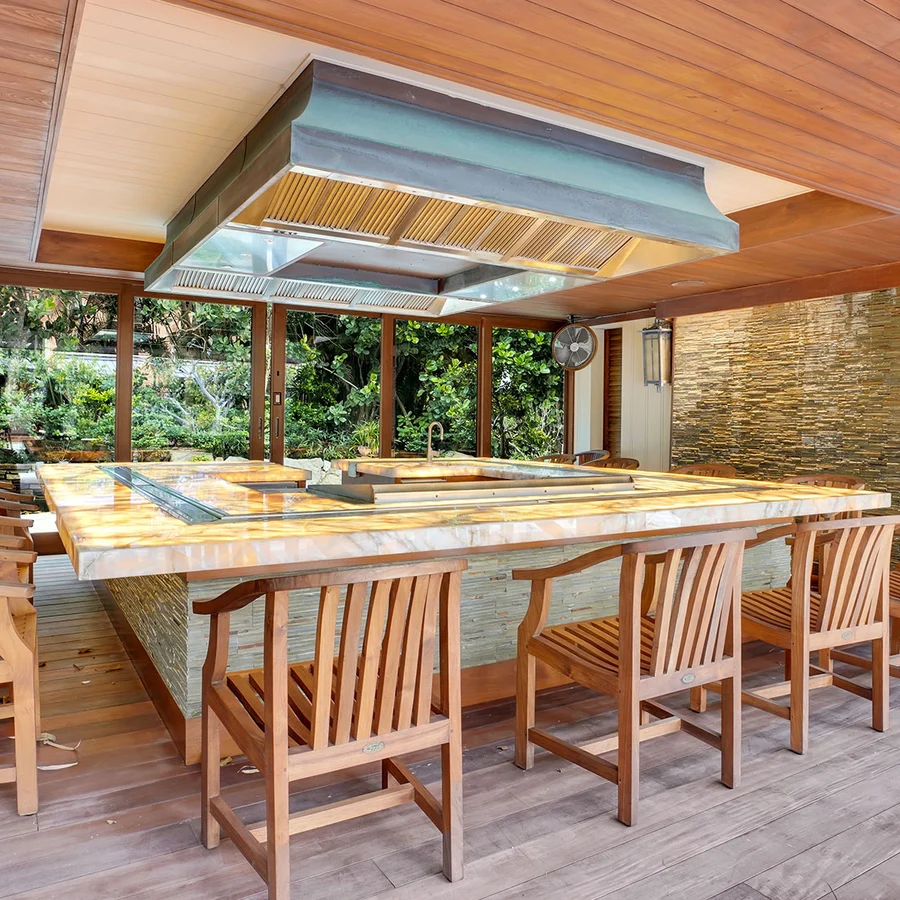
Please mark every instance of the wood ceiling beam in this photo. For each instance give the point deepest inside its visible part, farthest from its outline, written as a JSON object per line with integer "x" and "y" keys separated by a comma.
{"x": 801, "y": 216}
{"x": 848, "y": 281}
{"x": 92, "y": 251}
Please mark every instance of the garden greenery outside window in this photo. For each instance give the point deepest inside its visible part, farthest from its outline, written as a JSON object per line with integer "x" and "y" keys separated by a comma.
{"x": 332, "y": 389}
{"x": 527, "y": 417}
{"x": 191, "y": 381}
{"x": 435, "y": 380}
{"x": 57, "y": 379}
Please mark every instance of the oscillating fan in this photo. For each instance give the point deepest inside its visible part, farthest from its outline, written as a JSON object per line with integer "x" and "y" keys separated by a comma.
{"x": 574, "y": 346}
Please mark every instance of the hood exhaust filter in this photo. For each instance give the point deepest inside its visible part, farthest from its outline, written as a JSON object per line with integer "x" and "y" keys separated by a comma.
{"x": 358, "y": 192}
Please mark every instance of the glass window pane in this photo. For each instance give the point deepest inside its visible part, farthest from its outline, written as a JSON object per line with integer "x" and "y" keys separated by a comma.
{"x": 57, "y": 379}
{"x": 435, "y": 376}
{"x": 332, "y": 381}
{"x": 191, "y": 380}
{"x": 527, "y": 392}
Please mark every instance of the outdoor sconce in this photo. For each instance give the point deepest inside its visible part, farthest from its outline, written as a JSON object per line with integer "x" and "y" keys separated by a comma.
{"x": 657, "y": 347}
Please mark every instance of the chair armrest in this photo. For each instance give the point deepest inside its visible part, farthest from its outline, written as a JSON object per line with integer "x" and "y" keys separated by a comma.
{"x": 579, "y": 564}
{"x": 772, "y": 534}
{"x": 233, "y": 599}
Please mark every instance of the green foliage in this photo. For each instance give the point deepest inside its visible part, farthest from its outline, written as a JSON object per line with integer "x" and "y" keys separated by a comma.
{"x": 192, "y": 379}
{"x": 527, "y": 416}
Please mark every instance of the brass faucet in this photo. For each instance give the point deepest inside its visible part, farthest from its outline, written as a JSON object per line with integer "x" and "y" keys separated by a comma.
{"x": 430, "y": 448}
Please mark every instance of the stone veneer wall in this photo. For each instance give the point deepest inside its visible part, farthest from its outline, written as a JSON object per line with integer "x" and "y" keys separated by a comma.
{"x": 793, "y": 388}
{"x": 493, "y": 605}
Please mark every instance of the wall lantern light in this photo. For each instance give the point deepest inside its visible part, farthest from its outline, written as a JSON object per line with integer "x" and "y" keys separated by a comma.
{"x": 657, "y": 347}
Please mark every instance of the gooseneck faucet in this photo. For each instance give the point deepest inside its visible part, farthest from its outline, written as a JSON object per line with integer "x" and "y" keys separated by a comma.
{"x": 430, "y": 448}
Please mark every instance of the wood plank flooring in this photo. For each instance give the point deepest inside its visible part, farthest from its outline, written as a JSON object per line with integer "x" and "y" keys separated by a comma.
{"x": 123, "y": 823}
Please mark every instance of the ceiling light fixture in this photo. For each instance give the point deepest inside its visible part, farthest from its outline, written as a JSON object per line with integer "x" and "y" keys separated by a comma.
{"x": 689, "y": 282}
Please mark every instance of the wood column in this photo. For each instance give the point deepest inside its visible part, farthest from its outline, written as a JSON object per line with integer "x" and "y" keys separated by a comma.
{"x": 259, "y": 313}
{"x": 124, "y": 372}
{"x": 386, "y": 381}
{"x": 569, "y": 412}
{"x": 484, "y": 393}
{"x": 276, "y": 383}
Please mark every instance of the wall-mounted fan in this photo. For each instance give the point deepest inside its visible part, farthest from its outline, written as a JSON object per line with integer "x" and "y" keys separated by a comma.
{"x": 574, "y": 346}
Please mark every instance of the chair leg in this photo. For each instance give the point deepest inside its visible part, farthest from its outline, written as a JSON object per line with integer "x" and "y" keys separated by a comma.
{"x": 525, "y": 698}
{"x": 731, "y": 731}
{"x": 787, "y": 665}
{"x": 26, "y": 748}
{"x": 881, "y": 694}
{"x": 699, "y": 696}
{"x": 629, "y": 758}
{"x": 451, "y": 774}
{"x": 211, "y": 776}
{"x": 799, "y": 691}
{"x": 825, "y": 661}
{"x": 37, "y": 696}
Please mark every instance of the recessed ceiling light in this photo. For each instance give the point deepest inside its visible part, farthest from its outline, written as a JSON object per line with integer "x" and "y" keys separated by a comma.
{"x": 689, "y": 282}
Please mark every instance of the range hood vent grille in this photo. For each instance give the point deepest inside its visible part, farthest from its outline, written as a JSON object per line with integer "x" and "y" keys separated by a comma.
{"x": 301, "y": 201}
{"x": 199, "y": 280}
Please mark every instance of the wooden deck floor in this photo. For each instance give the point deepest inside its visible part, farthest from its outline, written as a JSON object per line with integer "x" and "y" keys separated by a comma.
{"x": 123, "y": 823}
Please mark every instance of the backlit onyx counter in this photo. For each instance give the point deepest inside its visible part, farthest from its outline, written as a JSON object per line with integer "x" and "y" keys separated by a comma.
{"x": 161, "y": 535}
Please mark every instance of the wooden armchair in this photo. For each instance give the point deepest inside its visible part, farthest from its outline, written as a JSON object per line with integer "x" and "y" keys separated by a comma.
{"x": 614, "y": 462}
{"x": 18, "y": 670}
{"x": 710, "y": 470}
{"x": 372, "y": 702}
{"x": 677, "y": 627}
{"x": 567, "y": 458}
{"x": 849, "y": 605}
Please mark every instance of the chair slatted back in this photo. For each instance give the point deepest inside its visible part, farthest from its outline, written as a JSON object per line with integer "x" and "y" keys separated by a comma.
{"x": 854, "y": 559}
{"x": 567, "y": 458}
{"x": 614, "y": 462}
{"x": 689, "y": 586}
{"x": 587, "y": 456}
{"x": 380, "y": 679}
{"x": 711, "y": 470}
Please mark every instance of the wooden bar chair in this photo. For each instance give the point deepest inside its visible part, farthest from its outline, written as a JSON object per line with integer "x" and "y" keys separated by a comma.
{"x": 18, "y": 671}
{"x": 849, "y": 605}
{"x": 677, "y": 626}
{"x": 710, "y": 470}
{"x": 614, "y": 462}
{"x": 371, "y": 702}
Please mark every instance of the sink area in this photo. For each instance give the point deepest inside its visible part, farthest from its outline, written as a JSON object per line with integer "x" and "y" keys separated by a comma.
{"x": 417, "y": 469}
{"x": 465, "y": 480}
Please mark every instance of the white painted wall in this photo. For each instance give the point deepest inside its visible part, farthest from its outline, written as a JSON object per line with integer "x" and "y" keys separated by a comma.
{"x": 646, "y": 412}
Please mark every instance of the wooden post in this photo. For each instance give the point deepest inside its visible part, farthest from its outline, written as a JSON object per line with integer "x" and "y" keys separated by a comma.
{"x": 259, "y": 313}
{"x": 276, "y": 383}
{"x": 386, "y": 406}
{"x": 484, "y": 396}
{"x": 569, "y": 412}
{"x": 124, "y": 372}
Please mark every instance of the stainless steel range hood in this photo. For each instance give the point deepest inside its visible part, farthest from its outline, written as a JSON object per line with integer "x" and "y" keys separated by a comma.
{"x": 359, "y": 192}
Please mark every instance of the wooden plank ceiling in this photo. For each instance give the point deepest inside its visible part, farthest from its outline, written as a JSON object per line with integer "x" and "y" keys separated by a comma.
{"x": 804, "y": 90}
{"x": 36, "y": 39}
